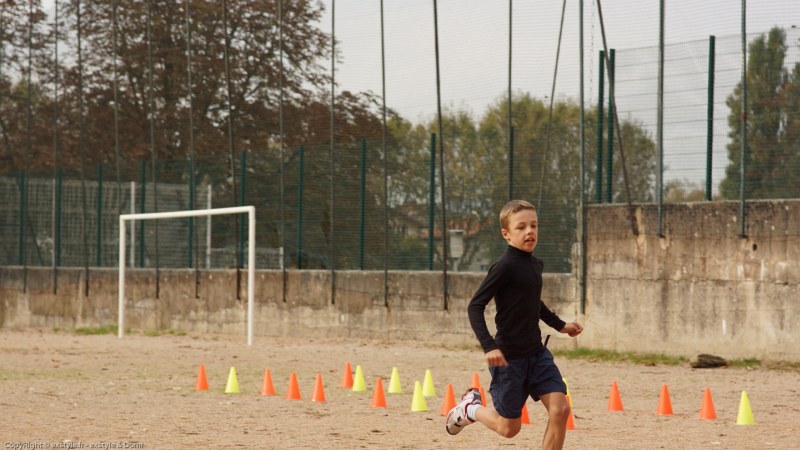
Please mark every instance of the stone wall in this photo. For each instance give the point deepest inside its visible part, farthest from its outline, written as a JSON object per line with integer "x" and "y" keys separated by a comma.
{"x": 701, "y": 288}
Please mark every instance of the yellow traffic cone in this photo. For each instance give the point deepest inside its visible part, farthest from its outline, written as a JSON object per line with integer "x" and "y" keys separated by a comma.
{"x": 745, "y": 416}
{"x": 418, "y": 403}
{"x": 394, "y": 383}
{"x": 359, "y": 385}
{"x": 427, "y": 388}
{"x": 232, "y": 387}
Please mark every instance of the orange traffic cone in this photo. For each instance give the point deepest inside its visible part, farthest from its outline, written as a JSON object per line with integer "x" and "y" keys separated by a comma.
{"x": 347, "y": 376}
{"x": 319, "y": 391}
{"x": 294, "y": 391}
{"x": 483, "y": 396}
{"x": 570, "y": 418}
{"x": 664, "y": 405}
{"x": 476, "y": 382}
{"x": 449, "y": 401}
{"x": 707, "y": 409}
{"x": 202, "y": 383}
{"x": 525, "y": 419}
{"x": 266, "y": 386}
{"x": 378, "y": 399}
{"x": 614, "y": 400}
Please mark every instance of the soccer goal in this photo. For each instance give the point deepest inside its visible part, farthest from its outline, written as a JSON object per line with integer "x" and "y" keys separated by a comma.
{"x": 251, "y": 253}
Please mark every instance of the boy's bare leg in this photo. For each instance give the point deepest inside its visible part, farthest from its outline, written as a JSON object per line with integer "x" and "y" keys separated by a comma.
{"x": 494, "y": 421}
{"x": 558, "y": 413}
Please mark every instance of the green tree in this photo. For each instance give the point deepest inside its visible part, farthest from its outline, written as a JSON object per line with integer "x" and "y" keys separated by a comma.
{"x": 476, "y": 172}
{"x": 771, "y": 157}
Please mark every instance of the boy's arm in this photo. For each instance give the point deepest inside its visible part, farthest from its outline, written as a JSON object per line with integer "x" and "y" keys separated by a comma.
{"x": 573, "y": 328}
{"x": 477, "y": 306}
{"x": 551, "y": 318}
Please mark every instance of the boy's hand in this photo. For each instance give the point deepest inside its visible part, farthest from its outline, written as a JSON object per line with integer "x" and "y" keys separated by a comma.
{"x": 572, "y": 329}
{"x": 496, "y": 358}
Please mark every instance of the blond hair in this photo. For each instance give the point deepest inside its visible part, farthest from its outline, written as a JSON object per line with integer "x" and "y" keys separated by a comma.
{"x": 512, "y": 207}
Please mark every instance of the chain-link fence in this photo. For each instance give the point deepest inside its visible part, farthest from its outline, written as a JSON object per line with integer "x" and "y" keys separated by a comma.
{"x": 109, "y": 108}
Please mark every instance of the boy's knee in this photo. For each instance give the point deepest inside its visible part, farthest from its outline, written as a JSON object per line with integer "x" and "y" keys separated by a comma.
{"x": 509, "y": 430}
{"x": 560, "y": 412}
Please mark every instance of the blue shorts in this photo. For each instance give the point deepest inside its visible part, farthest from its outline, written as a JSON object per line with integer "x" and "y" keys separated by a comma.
{"x": 511, "y": 385}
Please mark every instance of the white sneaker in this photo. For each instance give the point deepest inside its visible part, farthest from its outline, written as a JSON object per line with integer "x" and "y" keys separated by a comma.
{"x": 457, "y": 418}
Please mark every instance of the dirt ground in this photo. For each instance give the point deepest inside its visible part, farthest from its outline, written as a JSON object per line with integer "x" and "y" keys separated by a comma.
{"x": 59, "y": 389}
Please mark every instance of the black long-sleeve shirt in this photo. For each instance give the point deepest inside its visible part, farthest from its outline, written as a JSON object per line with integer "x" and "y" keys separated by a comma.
{"x": 515, "y": 283}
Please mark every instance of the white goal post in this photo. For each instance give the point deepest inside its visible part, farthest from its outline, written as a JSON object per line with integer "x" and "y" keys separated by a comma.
{"x": 251, "y": 253}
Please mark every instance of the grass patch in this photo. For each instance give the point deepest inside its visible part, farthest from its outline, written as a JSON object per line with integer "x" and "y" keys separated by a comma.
{"x": 92, "y": 331}
{"x": 169, "y": 332}
{"x": 648, "y": 359}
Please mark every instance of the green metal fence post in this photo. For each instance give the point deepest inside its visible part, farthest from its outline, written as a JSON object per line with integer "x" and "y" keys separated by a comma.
{"x": 242, "y": 199}
{"x": 21, "y": 183}
{"x": 99, "y": 219}
{"x": 511, "y": 163}
{"x": 600, "y": 101}
{"x": 610, "y": 137}
{"x": 190, "y": 253}
{"x": 59, "y": 200}
{"x": 143, "y": 183}
{"x": 431, "y": 199}
{"x": 710, "y": 114}
{"x": 362, "y": 201}
{"x": 300, "y": 170}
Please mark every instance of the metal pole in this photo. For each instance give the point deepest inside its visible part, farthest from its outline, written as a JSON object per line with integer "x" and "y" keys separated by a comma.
{"x": 510, "y": 109}
{"x": 362, "y": 201}
{"x": 743, "y": 130}
{"x": 99, "y": 218}
{"x": 153, "y": 152}
{"x": 442, "y": 187}
{"x": 55, "y": 146}
{"x": 82, "y": 148}
{"x": 282, "y": 239}
{"x": 332, "y": 243}
{"x": 600, "y": 94}
{"x": 610, "y": 131}
{"x": 710, "y": 114}
{"x": 660, "y": 122}
{"x": 116, "y": 106}
{"x": 582, "y": 205}
{"x": 385, "y": 171}
{"x": 431, "y": 199}
{"x": 300, "y": 171}
{"x": 231, "y": 142}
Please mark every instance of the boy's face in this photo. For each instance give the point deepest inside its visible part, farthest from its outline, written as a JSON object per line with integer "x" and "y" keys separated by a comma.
{"x": 523, "y": 230}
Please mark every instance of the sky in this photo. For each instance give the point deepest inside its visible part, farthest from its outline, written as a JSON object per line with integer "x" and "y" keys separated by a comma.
{"x": 474, "y": 58}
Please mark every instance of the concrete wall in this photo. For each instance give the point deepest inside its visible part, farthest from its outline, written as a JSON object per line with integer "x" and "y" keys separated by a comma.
{"x": 414, "y": 308}
{"x": 699, "y": 289}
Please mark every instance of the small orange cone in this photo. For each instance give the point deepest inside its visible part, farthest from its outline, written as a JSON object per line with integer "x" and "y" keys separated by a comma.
{"x": 707, "y": 409}
{"x": 378, "y": 399}
{"x": 525, "y": 419}
{"x": 614, "y": 400}
{"x": 449, "y": 401}
{"x": 483, "y": 396}
{"x": 294, "y": 391}
{"x": 347, "y": 376}
{"x": 476, "y": 381}
{"x": 570, "y": 418}
{"x": 319, "y": 391}
{"x": 266, "y": 387}
{"x": 664, "y": 405}
{"x": 202, "y": 382}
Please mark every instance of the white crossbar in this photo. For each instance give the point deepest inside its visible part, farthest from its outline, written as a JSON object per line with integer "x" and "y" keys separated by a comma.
{"x": 251, "y": 253}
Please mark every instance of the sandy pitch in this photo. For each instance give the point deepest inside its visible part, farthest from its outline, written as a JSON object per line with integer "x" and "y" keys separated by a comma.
{"x": 138, "y": 392}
